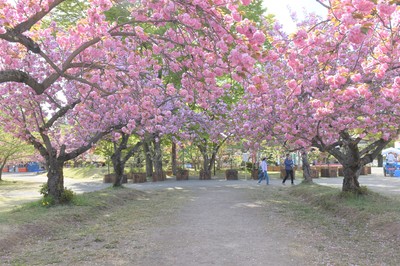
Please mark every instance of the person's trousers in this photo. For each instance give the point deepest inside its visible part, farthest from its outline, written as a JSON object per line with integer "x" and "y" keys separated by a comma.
{"x": 262, "y": 176}
{"x": 288, "y": 172}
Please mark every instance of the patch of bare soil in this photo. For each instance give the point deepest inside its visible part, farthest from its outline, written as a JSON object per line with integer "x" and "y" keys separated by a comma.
{"x": 222, "y": 224}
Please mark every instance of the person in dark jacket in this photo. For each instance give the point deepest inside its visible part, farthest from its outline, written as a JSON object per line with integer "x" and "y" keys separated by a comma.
{"x": 288, "y": 168}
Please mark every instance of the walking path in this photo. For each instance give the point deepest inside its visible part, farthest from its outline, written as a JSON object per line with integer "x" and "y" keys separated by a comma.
{"x": 224, "y": 225}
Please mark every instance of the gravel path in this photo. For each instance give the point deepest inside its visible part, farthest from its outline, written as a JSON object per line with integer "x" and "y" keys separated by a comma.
{"x": 226, "y": 225}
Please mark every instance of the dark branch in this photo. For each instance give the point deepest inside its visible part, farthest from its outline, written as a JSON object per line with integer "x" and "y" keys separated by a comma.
{"x": 21, "y": 77}
{"x": 14, "y": 36}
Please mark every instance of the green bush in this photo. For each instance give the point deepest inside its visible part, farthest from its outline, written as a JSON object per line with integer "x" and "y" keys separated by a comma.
{"x": 66, "y": 196}
{"x": 44, "y": 190}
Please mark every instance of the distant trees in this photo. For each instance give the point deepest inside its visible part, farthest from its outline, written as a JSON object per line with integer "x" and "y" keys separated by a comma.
{"x": 13, "y": 149}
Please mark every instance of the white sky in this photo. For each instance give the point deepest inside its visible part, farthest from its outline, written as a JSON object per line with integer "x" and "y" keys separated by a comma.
{"x": 280, "y": 9}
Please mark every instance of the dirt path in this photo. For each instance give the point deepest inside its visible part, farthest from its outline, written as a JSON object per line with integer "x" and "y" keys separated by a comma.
{"x": 226, "y": 225}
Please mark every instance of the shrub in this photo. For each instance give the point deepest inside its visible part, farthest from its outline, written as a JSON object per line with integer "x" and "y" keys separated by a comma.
{"x": 66, "y": 196}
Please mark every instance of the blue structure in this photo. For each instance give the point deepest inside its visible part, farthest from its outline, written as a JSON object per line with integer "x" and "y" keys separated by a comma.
{"x": 391, "y": 169}
{"x": 33, "y": 167}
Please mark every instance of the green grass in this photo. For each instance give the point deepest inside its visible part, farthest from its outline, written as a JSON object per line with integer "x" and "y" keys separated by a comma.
{"x": 367, "y": 223}
{"x": 86, "y": 172}
{"x": 334, "y": 200}
{"x": 5, "y": 184}
{"x": 94, "y": 222}
{"x": 345, "y": 213}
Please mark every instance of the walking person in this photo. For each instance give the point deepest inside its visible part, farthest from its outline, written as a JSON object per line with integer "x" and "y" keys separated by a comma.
{"x": 263, "y": 171}
{"x": 390, "y": 159}
{"x": 288, "y": 168}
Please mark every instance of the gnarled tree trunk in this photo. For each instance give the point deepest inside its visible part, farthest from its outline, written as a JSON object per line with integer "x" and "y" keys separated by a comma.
{"x": 173, "y": 158}
{"x": 119, "y": 159}
{"x": 157, "y": 160}
{"x": 2, "y": 165}
{"x": 350, "y": 181}
{"x": 55, "y": 178}
{"x": 119, "y": 167}
{"x": 306, "y": 167}
{"x": 208, "y": 163}
{"x": 149, "y": 160}
{"x": 346, "y": 150}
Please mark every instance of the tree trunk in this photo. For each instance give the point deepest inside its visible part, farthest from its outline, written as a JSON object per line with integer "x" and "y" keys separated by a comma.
{"x": 3, "y": 163}
{"x": 149, "y": 161}
{"x": 55, "y": 179}
{"x": 1, "y": 169}
{"x": 306, "y": 168}
{"x": 205, "y": 173}
{"x": 158, "y": 166}
{"x": 119, "y": 166}
{"x": 350, "y": 181}
{"x": 380, "y": 160}
{"x": 119, "y": 160}
{"x": 173, "y": 158}
{"x": 208, "y": 163}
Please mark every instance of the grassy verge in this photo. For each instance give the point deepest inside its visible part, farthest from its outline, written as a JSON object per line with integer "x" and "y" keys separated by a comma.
{"x": 14, "y": 193}
{"x": 86, "y": 172}
{"x": 346, "y": 205}
{"x": 357, "y": 225}
{"x": 97, "y": 225}
{"x": 343, "y": 229}
{"x": 6, "y": 185}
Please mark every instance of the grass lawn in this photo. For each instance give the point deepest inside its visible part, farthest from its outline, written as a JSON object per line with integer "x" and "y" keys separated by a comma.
{"x": 86, "y": 172}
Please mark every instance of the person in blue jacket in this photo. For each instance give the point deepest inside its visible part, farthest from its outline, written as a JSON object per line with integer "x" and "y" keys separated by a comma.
{"x": 288, "y": 168}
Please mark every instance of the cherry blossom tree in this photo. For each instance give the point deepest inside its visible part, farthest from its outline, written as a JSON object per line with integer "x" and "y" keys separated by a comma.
{"x": 334, "y": 84}
{"x": 147, "y": 133}
{"x": 64, "y": 87}
{"x": 208, "y": 129}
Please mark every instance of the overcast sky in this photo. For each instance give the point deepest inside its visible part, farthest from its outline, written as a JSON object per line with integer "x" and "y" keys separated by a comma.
{"x": 281, "y": 12}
